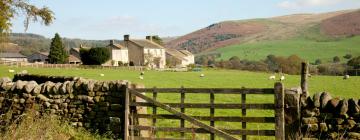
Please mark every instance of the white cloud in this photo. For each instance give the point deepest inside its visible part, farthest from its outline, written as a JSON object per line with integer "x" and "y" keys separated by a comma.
{"x": 308, "y": 3}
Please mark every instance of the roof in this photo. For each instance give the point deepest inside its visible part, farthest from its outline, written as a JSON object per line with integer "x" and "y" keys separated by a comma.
{"x": 144, "y": 44}
{"x": 186, "y": 52}
{"x": 117, "y": 46}
{"x": 77, "y": 49}
{"x": 12, "y": 55}
{"x": 44, "y": 53}
{"x": 73, "y": 58}
{"x": 175, "y": 53}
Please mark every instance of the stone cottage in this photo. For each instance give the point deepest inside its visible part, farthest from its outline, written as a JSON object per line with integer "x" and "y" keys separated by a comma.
{"x": 119, "y": 55}
{"x": 144, "y": 52}
{"x": 179, "y": 58}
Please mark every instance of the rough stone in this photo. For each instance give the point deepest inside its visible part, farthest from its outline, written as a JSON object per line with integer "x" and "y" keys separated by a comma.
{"x": 69, "y": 87}
{"x": 332, "y": 104}
{"x": 54, "y": 106}
{"x": 323, "y": 127}
{"x": 333, "y": 135}
{"x": 22, "y": 101}
{"x": 28, "y": 88}
{"x": 312, "y": 127}
{"x": 342, "y": 107}
{"x": 91, "y": 94}
{"x": 316, "y": 99}
{"x": 42, "y": 98}
{"x": 354, "y": 108}
{"x": 56, "y": 88}
{"x": 97, "y": 99}
{"x": 2, "y": 99}
{"x": 37, "y": 89}
{"x": 62, "y": 89}
{"x": 354, "y": 135}
{"x": 90, "y": 86}
{"x": 97, "y": 86}
{"x": 19, "y": 85}
{"x": 350, "y": 124}
{"x": 48, "y": 87}
{"x": 105, "y": 86}
{"x": 47, "y": 104}
{"x": 324, "y": 99}
{"x": 5, "y": 80}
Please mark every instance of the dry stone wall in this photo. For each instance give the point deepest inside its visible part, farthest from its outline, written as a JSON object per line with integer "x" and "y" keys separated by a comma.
{"x": 95, "y": 105}
{"x": 325, "y": 117}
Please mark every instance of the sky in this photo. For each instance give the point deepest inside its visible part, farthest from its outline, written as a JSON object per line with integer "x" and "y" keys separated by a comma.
{"x": 111, "y": 19}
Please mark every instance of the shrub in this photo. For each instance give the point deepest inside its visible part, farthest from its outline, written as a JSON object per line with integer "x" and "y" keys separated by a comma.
{"x": 318, "y": 62}
{"x": 348, "y": 56}
{"x": 354, "y": 63}
{"x": 331, "y": 69}
{"x": 336, "y": 59}
{"x": 95, "y": 56}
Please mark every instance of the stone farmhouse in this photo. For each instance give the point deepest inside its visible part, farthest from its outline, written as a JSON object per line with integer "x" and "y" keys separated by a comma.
{"x": 118, "y": 54}
{"x": 144, "y": 52}
{"x": 39, "y": 57}
{"x": 14, "y": 57}
{"x": 179, "y": 58}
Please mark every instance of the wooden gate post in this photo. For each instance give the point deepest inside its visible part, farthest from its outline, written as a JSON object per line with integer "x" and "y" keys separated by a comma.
{"x": 279, "y": 111}
{"x": 125, "y": 116}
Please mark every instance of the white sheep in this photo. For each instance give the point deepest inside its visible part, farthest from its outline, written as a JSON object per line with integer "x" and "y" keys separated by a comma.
{"x": 24, "y": 72}
{"x": 11, "y": 71}
{"x": 346, "y": 77}
{"x": 141, "y": 77}
{"x": 282, "y": 78}
{"x": 202, "y": 75}
{"x": 272, "y": 77}
{"x": 102, "y": 75}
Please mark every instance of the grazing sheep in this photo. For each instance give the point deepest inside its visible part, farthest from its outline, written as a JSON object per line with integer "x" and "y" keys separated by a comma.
{"x": 346, "y": 77}
{"x": 202, "y": 75}
{"x": 142, "y": 73}
{"x": 102, "y": 75}
{"x": 272, "y": 77}
{"x": 24, "y": 72}
{"x": 11, "y": 71}
{"x": 282, "y": 78}
{"x": 141, "y": 77}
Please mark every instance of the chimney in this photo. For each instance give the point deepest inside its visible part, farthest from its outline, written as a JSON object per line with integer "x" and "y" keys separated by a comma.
{"x": 111, "y": 42}
{"x": 149, "y": 38}
{"x": 126, "y": 37}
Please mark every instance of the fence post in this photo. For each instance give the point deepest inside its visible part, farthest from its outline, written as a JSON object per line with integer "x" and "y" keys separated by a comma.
{"x": 125, "y": 117}
{"x": 292, "y": 114}
{"x": 304, "y": 84}
{"x": 279, "y": 111}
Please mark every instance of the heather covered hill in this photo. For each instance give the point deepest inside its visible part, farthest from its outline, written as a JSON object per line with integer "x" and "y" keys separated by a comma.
{"x": 228, "y": 33}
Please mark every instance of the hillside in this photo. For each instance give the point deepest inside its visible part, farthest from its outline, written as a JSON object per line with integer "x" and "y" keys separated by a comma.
{"x": 291, "y": 32}
{"x": 29, "y": 43}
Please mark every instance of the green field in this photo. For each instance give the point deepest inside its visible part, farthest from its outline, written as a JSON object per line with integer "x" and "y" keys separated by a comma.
{"x": 308, "y": 49}
{"x": 213, "y": 78}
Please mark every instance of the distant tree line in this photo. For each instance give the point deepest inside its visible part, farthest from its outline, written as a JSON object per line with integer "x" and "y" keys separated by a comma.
{"x": 34, "y": 43}
{"x": 289, "y": 65}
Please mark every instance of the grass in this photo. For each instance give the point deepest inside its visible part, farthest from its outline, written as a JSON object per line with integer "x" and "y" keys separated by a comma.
{"x": 213, "y": 78}
{"x": 31, "y": 127}
{"x": 307, "y": 49}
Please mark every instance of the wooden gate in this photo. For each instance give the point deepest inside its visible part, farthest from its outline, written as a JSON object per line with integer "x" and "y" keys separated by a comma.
{"x": 133, "y": 128}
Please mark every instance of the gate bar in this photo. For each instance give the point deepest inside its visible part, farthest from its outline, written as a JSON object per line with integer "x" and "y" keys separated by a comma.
{"x": 184, "y": 116}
